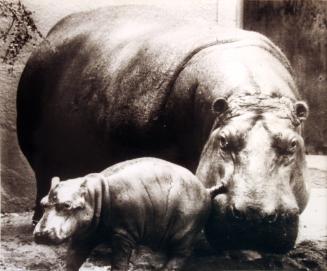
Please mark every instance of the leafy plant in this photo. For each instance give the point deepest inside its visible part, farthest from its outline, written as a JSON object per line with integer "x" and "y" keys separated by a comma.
{"x": 19, "y": 29}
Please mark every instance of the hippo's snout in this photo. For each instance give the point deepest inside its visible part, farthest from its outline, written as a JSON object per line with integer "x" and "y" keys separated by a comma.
{"x": 47, "y": 237}
{"x": 252, "y": 228}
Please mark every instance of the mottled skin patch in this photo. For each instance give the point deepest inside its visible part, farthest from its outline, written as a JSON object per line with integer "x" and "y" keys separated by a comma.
{"x": 145, "y": 201}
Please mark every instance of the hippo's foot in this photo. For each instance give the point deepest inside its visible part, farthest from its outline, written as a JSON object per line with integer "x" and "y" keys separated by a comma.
{"x": 174, "y": 264}
{"x": 77, "y": 253}
{"x": 122, "y": 247}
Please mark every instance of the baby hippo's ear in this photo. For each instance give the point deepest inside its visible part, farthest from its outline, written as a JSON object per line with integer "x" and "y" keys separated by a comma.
{"x": 219, "y": 106}
{"x": 301, "y": 110}
{"x": 54, "y": 182}
{"x": 44, "y": 201}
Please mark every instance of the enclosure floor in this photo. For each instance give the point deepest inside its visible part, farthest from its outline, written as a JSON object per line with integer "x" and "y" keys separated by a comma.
{"x": 19, "y": 252}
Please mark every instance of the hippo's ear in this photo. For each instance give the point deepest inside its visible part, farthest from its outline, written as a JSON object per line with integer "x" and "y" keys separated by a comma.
{"x": 54, "y": 182}
{"x": 44, "y": 200}
{"x": 219, "y": 106}
{"x": 301, "y": 110}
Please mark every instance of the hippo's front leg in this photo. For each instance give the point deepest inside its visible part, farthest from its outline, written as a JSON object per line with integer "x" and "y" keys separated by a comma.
{"x": 122, "y": 246}
{"x": 77, "y": 254}
{"x": 175, "y": 263}
{"x": 177, "y": 257}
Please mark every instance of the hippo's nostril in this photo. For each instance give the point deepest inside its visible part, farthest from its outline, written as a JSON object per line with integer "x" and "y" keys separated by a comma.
{"x": 271, "y": 218}
{"x": 236, "y": 213}
{"x": 290, "y": 215}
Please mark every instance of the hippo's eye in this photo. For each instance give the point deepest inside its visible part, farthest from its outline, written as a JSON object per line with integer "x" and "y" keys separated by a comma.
{"x": 66, "y": 205}
{"x": 293, "y": 145}
{"x": 63, "y": 206}
{"x": 285, "y": 146}
{"x": 223, "y": 142}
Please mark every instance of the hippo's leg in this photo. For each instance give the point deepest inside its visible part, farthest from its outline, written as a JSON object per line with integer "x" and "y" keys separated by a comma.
{"x": 77, "y": 254}
{"x": 43, "y": 187}
{"x": 177, "y": 257}
{"x": 122, "y": 247}
{"x": 178, "y": 251}
{"x": 175, "y": 262}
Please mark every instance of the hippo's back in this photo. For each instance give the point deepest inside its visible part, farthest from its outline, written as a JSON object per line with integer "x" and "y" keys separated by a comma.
{"x": 156, "y": 200}
{"x": 102, "y": 88}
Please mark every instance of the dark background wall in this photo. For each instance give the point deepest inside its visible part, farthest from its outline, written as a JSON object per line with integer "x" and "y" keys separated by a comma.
{"x": 299, "y": 28}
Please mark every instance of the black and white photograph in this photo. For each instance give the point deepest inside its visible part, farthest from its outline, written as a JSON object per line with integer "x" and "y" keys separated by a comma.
{"x": 171, "y": 135}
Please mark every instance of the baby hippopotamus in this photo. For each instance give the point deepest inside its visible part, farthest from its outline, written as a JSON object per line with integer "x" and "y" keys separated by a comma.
{"x": 145, "y": 201}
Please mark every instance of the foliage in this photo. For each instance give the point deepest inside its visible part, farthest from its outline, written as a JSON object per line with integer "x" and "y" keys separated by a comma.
{"x": 20, "y": 29}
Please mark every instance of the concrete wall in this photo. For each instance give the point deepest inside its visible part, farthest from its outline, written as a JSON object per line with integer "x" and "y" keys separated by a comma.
{"x": 17, "y": 178}
{"x": 300, "y": 29}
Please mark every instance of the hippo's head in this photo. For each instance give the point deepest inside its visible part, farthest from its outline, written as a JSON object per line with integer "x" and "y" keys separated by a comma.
{"x": 66, "y": 212}
{"x": 255, "y": 149}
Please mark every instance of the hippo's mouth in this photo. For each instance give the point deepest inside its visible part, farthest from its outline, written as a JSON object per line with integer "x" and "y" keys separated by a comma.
{"x": 48, "y": 239}
{"x": 224, "y": 231}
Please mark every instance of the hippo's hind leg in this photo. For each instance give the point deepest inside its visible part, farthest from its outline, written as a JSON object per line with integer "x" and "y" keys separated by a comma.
{"x": 122, "y": 246}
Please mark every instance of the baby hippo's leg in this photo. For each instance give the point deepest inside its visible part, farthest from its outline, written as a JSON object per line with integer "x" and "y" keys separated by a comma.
{"x": 179, "y": 250}
{"x": 122, "y": 247}
{"x": 77, "y": 254}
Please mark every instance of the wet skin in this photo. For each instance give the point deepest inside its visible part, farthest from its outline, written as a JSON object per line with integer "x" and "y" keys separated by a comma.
{"x": 144, "y": 201}
{"x": 123, "y": 82}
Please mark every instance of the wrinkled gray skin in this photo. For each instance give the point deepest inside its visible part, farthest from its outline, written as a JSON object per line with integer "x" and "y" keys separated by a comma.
{"x": 125, "y": 82}
{"x": 143, "y": 201}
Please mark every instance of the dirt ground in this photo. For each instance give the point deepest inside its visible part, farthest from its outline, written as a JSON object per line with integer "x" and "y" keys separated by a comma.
{"x": 19, "y": 252}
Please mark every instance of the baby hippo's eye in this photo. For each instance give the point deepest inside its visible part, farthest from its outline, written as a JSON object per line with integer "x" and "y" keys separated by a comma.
{"x": 65, "y": 206}
{"x": 293, "y": 145}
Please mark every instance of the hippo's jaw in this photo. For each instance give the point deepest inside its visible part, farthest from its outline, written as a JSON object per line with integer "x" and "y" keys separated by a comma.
{"x": 53, "y": 229}
{"x": 227, "y": 229}
{"x": 48, "y": 238}
{"x": 224, "y": 230}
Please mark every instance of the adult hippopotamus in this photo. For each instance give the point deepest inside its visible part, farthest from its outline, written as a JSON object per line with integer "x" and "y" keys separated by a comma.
{"x": 123, "y": 82}
{"x": 145, "y": 201}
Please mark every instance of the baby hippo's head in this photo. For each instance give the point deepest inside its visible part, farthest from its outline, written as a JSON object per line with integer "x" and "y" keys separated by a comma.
{"x": 66, "y": 212}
